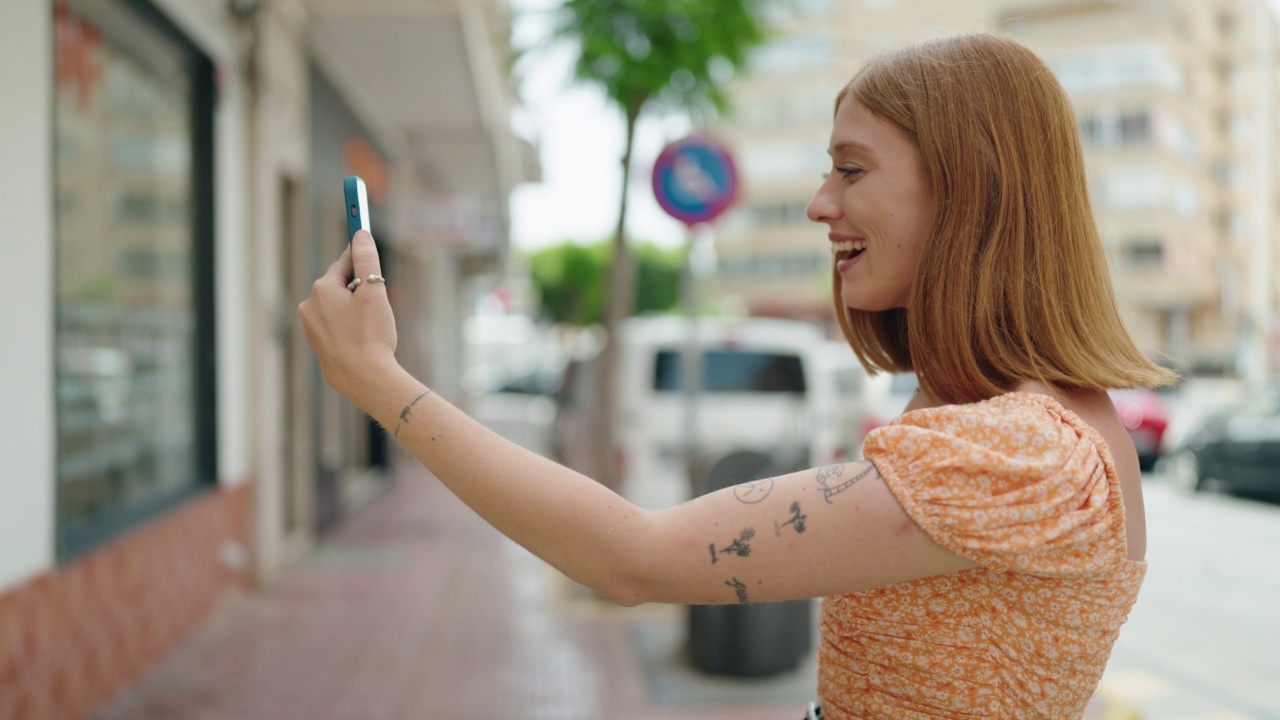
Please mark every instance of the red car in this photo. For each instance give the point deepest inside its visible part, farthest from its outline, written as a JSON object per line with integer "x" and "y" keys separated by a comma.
{"x": 1145, "y": 415}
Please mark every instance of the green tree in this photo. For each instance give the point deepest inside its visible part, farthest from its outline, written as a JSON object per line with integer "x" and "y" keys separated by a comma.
{"x": 667, "y": 55}
{"x": 658, "y": 278}
{"x": 570, "y": 280}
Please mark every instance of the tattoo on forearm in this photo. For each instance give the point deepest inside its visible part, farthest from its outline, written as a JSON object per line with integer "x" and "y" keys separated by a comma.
{"x": 740, "y": 546}
{"x": 832, "y": 482}
{"x": 406, "y": 412}
{"x": 796, "y": 521}
{"x": 753, "y": 492}
{"x": 740, "y": 588}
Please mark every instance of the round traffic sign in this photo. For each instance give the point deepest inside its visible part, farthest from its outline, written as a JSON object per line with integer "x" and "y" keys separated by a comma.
{"x": 695, "y": 179}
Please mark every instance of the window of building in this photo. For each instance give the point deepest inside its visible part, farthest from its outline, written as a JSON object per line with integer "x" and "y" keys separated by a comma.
{"x": 1173, "y": 134}
{"x": 1226, "y": 74}
{"x": 793, "y": 54}
{"x": 1104, "y": 68}
{"x": 1144, "y": 253}
{"x": 1091, "y": 131}
{"x": 801, "y": 106}
{"x": 772, "y": 267}
{"x": 1135, "y": 128}
{"x": 1186, "y": 198}
{"x": 1226, "y": 172}
{"x": 1227, "y": 25}
{"x": 765, "y": 163}
{"x": 779, "y": 13}
{"x": 815, "y": 7}
{"x": 134, "y": 302}
{"x": 1138, "y": 187}
{"x": 778, "y": 214}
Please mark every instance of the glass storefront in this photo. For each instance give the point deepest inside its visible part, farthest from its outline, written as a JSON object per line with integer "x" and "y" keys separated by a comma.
{"x": 134, "y": 269}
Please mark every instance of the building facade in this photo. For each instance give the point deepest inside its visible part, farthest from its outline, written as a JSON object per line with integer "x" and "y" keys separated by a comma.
{"x": 1177, "y": 105}
{"x": 174, "y": 188}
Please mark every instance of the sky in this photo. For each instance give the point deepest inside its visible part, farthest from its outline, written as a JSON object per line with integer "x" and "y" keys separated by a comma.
{"x": 580, "y": 139}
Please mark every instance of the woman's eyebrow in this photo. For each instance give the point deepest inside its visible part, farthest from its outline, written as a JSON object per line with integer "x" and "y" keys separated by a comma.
{"x": 850, "y": 146}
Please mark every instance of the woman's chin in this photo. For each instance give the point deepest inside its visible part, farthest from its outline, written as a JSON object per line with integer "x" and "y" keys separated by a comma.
{"x": 861, "y": 302}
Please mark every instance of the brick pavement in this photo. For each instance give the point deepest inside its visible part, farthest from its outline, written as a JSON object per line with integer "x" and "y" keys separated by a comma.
{"x": 416, "y": 609}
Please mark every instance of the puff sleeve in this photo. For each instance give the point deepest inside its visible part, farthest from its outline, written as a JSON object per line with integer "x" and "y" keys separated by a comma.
{"x": 1017, "y": 483}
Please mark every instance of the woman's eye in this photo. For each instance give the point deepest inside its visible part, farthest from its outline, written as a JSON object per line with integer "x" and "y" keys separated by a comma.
{"x": 845, "y": 172}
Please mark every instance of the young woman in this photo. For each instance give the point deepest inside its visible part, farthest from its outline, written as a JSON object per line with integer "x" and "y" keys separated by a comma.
{"x": 981, "y": 560}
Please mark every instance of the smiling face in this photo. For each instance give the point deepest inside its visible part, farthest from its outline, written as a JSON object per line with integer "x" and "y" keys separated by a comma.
{"x": 878, "y": 206}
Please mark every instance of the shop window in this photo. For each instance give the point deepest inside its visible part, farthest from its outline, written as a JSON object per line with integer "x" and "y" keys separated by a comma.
{"x": 134, "y": 304}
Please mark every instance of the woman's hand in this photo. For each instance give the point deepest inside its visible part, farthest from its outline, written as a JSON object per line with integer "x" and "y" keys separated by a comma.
{"x": 353, "y": 332}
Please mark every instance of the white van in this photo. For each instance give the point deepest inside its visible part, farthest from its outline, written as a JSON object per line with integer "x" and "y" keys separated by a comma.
{"x": 769, "y": 387}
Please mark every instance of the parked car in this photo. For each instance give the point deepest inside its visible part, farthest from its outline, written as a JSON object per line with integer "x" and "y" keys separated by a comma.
{"x": 1145, "y": 414}
{"x": 1237, "y": 450}
{"x": 765, "y": 388}
{"x": 851, "y": 386}
{"x": 885, "y": 397}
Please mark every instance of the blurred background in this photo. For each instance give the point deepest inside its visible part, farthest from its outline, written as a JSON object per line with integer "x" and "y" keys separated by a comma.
{"x": 193, "y": 525}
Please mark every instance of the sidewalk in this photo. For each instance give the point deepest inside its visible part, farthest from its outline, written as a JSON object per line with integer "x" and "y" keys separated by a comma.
{"x": 417, "y": 610}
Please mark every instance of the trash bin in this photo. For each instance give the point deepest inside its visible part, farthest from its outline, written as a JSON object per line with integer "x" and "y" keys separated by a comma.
{"x": 758, "y": 638}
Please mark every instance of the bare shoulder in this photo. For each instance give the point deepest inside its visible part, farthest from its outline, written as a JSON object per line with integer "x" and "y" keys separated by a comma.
{"x": 1095, "y": 408}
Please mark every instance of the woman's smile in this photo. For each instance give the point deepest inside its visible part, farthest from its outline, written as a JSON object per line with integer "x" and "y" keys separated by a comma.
{"x": 846, "y": 250}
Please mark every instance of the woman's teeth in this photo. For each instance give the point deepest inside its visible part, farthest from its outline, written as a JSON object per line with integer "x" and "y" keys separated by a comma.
{"x": 848, "y": 246}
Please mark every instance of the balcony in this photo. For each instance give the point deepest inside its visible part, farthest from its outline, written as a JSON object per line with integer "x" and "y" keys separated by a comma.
{"x": 430, "y": 77}
{"x": 1042, "y": 10}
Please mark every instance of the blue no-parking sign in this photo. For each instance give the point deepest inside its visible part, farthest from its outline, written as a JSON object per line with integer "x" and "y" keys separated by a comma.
{"x": 695, "y": 180}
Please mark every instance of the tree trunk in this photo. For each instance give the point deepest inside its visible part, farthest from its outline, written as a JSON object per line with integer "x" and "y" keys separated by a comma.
{"x": 620, "y": 305}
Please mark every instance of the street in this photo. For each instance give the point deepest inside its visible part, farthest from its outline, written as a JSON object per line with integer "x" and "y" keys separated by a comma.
{"x": 1202, "y": 640}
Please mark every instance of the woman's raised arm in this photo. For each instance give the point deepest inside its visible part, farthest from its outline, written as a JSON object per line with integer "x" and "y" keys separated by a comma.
{"x": 811, "y": 533}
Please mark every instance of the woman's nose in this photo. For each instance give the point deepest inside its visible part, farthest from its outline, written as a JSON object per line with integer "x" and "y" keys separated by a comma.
{"x": 824, "y": 207}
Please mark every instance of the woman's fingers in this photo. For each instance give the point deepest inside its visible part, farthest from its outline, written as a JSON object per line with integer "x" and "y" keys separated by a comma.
{"x": 364, "y": 255}
{"x": 340, "y": 270}
{"x": 353, "y": 334}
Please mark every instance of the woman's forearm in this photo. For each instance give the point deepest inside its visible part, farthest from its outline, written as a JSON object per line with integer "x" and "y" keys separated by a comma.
{"x": 554, "y": 512}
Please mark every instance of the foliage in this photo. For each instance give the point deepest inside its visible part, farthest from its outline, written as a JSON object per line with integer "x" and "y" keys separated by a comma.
{"x": 678, "y": 52}
{"x": 571, "y": 280}
{"x": 673, "y": 54}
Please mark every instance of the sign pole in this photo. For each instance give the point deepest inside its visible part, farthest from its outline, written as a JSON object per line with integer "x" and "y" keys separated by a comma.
{"x": 690, "y": 357}
{"x": 694, "y": 180}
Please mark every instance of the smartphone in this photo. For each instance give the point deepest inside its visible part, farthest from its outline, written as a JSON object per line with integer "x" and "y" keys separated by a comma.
{"x": 357, "y": 203}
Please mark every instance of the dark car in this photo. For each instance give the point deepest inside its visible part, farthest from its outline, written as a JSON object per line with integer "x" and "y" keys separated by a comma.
{"x": 1145, "y": 415}
{"x": 1238, "y": 450}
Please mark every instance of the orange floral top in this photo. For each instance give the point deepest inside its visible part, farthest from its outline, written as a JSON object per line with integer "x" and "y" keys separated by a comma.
{"x": 1024, "y": 488}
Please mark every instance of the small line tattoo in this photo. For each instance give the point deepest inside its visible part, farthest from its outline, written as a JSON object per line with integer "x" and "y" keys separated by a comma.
{"x": 404, "y": 414}
{"x": 740, "y": 588}
{"x": 753, "y": 492}
{"x": 796, "y": 521}
{"x": 740, "y": 546}
{"x": 830, "y": 479}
